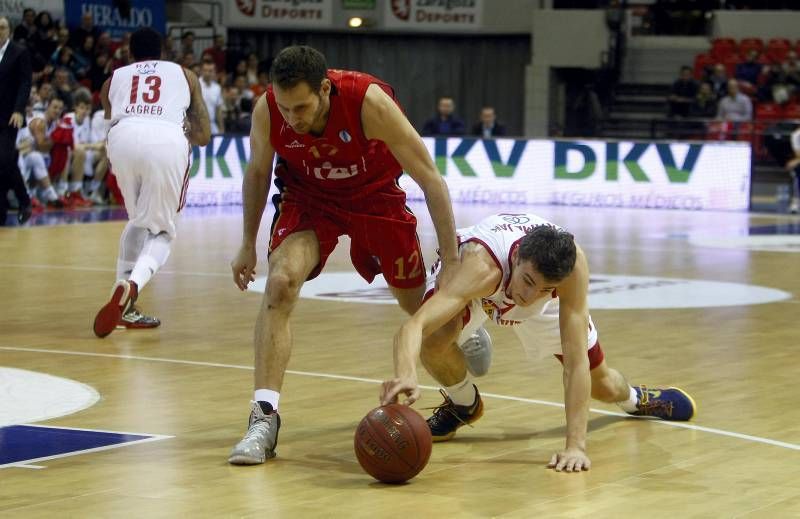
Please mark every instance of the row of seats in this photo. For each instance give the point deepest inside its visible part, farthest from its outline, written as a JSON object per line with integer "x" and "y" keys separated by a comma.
{"x": 775, "y": 49}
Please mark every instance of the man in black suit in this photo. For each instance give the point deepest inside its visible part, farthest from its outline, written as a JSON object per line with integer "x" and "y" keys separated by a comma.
{"x": 15, "y": 87}
{"x": 488, "y": 126}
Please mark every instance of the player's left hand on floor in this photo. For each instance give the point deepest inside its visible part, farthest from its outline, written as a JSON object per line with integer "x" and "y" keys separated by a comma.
{"x": 570, "y": 460}
{"x": 392, "y": 389}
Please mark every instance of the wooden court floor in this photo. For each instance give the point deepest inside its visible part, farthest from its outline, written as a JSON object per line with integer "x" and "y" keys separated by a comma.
{"x": 189, "y": 383}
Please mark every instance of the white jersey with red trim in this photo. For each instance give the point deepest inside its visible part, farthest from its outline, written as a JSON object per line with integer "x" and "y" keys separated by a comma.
{"x": 500, "y": 234}
{"x": 149, "y": 90}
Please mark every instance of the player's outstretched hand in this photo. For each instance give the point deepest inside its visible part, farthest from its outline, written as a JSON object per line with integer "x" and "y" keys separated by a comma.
{"x": 243, "y": 267}
{"x": 570, "y": 460}
{"x": 392, "y": 389}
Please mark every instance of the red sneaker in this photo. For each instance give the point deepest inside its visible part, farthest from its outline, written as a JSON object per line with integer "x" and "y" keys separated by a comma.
{"x": 134, "y": 319}
{"x": 122, "y": 296}
{"x": 75, "y": 199}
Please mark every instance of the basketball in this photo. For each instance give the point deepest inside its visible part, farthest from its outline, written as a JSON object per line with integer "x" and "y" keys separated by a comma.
{"x": 393, "y": 443}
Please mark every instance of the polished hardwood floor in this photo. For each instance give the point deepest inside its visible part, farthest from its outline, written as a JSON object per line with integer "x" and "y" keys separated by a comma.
{"x": 189, "y": 381}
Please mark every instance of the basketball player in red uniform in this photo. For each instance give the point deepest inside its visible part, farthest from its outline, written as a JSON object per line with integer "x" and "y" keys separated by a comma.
{"x": 342, "y": 142}
{"x": 155, "y": 110}
{"x": 525, "y": 273}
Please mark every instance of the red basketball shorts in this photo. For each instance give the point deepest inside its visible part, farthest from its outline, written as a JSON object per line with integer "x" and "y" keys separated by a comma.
{"x": 382, "y": 230}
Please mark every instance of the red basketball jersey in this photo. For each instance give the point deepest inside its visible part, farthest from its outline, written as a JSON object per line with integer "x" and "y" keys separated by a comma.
{"x": 341, "y": 164}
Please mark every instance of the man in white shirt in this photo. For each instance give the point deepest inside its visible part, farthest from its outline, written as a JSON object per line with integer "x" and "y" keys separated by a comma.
{"x": 212, "y": 95}
{"x": 793, "y": 167}
{"x": 735, "y": 106}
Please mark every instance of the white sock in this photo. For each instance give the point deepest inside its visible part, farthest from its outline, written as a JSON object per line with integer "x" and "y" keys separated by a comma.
{"x": 50, "y": 194}
{"x": 268, "y": 395}
{"x": 130, "y": 246}
{"x": 155, "y": 252}
{"x": 462, "y": 393}
{"x": 94, "y": 186}
{"x": 631, "y": 404}
{"x": 75, "y": 187}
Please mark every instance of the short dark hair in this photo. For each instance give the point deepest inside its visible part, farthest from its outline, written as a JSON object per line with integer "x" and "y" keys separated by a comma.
{"x": 551, "y": 250}
{"x": 145, "y": 44}
{"x": 82, "y": 97}
{"x": 296, "y": 64}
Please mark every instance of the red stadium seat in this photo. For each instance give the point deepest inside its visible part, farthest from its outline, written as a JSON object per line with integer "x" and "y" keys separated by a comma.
{"x": 721, "y": 47}
{"x": 777, "y": 48}
{"x": 792, "y": 111}
{"x": 768, "y": 112}
{"x": 701, "y": 63}
{"x": 730, "y": 61}
{"x": 748, "y": 44}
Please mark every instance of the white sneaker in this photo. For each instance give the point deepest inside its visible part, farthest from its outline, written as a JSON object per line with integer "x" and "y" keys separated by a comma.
{"x": 98, "y": 199}
{"x": 259, "y": 443}
{"x": 478, "y": 352}
{"x": 794, "y": 207}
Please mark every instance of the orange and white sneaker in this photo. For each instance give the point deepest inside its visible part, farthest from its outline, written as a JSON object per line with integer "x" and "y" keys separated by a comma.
{"x": 123, "y": 295}
{"x": 133, "y": 318}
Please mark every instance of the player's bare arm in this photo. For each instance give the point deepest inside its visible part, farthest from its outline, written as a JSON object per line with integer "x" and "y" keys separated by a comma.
{"x": 382, "y": 119}
{"x": 476, "y": 276}
{"x": 255, "y": 187}
{"x": 105, "y": 102}
{"x": 574, "y": 324}
{"x": 39, "y": 134}
{"x": 198, "y": 122}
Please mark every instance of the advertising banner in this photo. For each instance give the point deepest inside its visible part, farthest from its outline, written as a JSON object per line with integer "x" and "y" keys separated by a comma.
{"x": 107, "y": 16}
{"x": 279, "y": 13}
{"x": 425, "y": 15}
{"x": 658, "y": 175}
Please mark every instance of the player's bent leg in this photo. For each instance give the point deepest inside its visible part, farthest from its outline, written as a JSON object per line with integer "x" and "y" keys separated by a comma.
{"x": 445, "y": 362}
{"x": 608, "y": 384}
{"x": 289, "y": 266}
{"x": 409, "y": 299}
{"x": 477, "y": 351}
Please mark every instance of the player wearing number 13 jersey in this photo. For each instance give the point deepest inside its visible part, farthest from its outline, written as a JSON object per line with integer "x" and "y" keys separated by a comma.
{"x": 343, "y": 141}
{"x": 155, "y": 110}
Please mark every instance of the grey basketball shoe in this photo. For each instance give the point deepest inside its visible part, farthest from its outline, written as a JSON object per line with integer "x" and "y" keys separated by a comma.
{"x": 259, "y": 443}
{"x": 478, "y": 352}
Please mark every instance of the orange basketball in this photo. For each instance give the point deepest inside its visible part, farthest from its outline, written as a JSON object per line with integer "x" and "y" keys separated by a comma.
{"x": 393, "y": 443}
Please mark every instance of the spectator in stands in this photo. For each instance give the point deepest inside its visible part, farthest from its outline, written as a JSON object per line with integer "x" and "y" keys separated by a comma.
{"x": 230, "y": 105}
{"x": 242, "y": 124}
{"x": 212, "y": 95}
{"x": 444, "y": 122}
{"x": 775, "y": 86}
{"x": 718, "y": 79}
{"x": 705, "y": 103}
{"x": 684, "y": 91}
{"x": 244, "y": 89}
{"x": 736, "y": 106}
{"x": 86, "y": 29}
{"x": 187, "y": 60}
{"x": 792, "y": 70}
{"x": 241, "y": 70}
{"x": 27, "y": 27}
{"x": 217, "y": 53}
{"x": 749, "y": 70}
{"x": 122, "y": 57}
{"x": 261, "y": 85}
{"x": 253, "y": 68}
{"x": 187, "y": 44}
{"x": 44, "y": 41}
{"x": 487, "y": 126}
{"x": 63, "y": 85}
{"x": 100, "y": 71}
{"x": 84, "y": 56}
{"x": 103, "y": 44}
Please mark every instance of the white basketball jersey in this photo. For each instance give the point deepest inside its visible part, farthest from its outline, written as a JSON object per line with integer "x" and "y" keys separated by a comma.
{"x": 499, "y": 234}
{"x": 149, "y": 90}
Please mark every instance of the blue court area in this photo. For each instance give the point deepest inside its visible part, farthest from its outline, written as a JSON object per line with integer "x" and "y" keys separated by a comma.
{"x": 21, "y": 444}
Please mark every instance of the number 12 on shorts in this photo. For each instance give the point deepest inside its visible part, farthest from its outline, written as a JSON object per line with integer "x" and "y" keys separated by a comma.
{"x": 404, "y": 264}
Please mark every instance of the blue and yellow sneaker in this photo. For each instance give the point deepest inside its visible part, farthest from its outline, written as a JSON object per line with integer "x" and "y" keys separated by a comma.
{"x": 670, "y": 403}
{"x": 448, "y": 417}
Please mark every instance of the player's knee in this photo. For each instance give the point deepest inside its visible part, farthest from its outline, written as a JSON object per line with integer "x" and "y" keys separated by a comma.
{"x": 282, "y": 290}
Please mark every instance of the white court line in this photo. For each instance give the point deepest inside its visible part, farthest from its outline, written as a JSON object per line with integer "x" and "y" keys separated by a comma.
{"x": 26, "y": 463}
{"x": 682, "y": 425}
{"x": 99, "y": 269}
{"x": 27, "y": 466}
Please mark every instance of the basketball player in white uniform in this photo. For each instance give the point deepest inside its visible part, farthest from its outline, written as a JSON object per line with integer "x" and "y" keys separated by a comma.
{"x": 521, "y": 271}
{"x": 155, "y": 111}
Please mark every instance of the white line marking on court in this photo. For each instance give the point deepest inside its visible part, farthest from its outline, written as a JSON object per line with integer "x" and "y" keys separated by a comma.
{"x": 99, "y": 269}
{"x": 21, "y": 466}
{"x": 682, "y": 425}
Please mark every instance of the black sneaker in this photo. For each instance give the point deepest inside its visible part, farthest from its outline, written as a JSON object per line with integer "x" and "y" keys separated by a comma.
{"x": 448, "y": 417}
